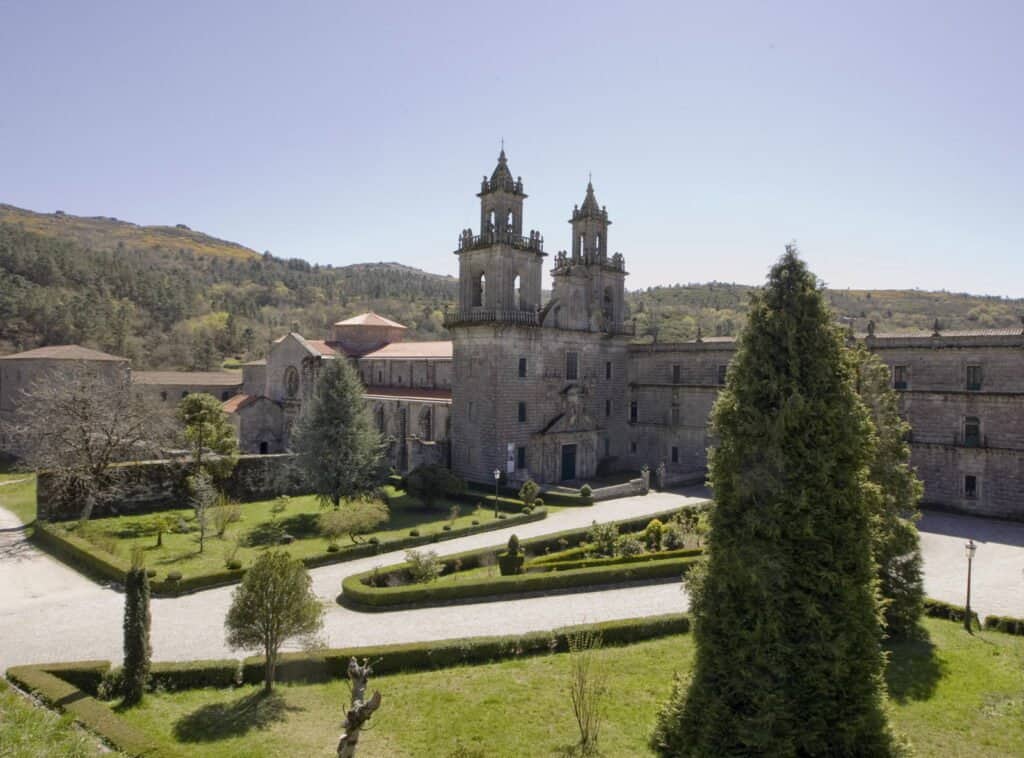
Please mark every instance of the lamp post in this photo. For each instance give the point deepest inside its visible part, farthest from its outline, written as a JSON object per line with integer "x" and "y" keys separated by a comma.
{"x": 497, "y": 476}
{"x": 969, "y": 550}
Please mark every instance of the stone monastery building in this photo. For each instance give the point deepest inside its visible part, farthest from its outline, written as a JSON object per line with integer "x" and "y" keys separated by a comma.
{"x": 555, "y": 390}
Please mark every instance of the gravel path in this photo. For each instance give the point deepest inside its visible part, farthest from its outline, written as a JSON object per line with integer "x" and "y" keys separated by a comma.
{"x": 50, "y": 612}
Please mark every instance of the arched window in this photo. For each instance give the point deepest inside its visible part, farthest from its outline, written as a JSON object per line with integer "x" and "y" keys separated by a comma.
{"x": 582, "y": 249}
{"x": 491, "y": 223}
{"x": 426, "y": 424}
{"x": 597, "y": 243}
{"x": 517, "y": 292}
{"x": 510, "y": 222}
{"x": 479, "y": 289}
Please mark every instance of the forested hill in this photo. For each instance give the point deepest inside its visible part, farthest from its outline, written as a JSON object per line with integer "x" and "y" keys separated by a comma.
{"x": 173, "y": 298}
{"x": 168, "y": 297}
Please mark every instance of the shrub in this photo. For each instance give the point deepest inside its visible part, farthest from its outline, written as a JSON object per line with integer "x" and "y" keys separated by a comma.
{"x": 528, "y": 492}
{"x": 513, "y": 545}
{"x": 224, "y": 514}
{"x": 502, "y": 516}
{"x": 234, "y": 565}
{"x": 374, "y": 540}
{"x": 424, "y": 565}
{"x": 604, "y": 538}
{"x": 287, "y": 539}
{"x": 1005, "y": 624}
{"x": 150, "y": 573}
{"x": 414, "y": 532}
{"x": 447, "y": 527}
{"x": 475, "y": 522}
{"x": 653, "y": 534}
{"x": 432, "y": 483}
{"x": 586, "y": 491}
{"x": 673, "y": 536}
{"x": 629, "y": 545}
{"x": 353, "y": 519}
{"x": 538, "y": 503}
{"x": 174, "y": 576}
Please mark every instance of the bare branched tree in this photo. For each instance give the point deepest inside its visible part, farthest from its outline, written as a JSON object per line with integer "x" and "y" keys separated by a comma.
{"x": 78, "y": 423}
{"x": 587, "y": 687}
{"x": 361, "y": 709}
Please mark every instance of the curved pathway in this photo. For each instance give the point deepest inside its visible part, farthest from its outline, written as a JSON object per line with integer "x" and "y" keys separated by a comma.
{"x": 50, "y": 612}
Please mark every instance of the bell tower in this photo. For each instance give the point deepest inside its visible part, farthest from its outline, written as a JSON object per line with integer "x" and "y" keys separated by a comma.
{"x": 589, "y": 286}
{"x": 499, "y": 268}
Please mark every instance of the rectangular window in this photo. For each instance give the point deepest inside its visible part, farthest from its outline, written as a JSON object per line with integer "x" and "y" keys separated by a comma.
{"x": 974, "y": 378}
{"x": 675, "y": 455}
{"x": 675, "y": 414}
{"x": 607, "y": 369}
{"x": 522, "y": 411}
{"x": 899, "y": 377}
{"x": 632, "y": 411}
{"x": 676, "y": 373}
{"x": 722, "y": 371}
{"x": 472, "y": 415}
{"x": 972, "y": 431}
{"x": 522, "y": 367}
{"x": 607, "y": 447}
{"x": 572, "y": 368}
{"x": 520, "y": 458}
{"x": 607, "y": 408}
{"x": 971, "y": 487}
{"x": 632, "y": 446}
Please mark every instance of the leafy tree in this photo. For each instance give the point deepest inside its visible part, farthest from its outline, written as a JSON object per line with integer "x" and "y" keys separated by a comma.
{"x": 432, "y": 484}
{"x": 137, "y": 650}
{"x": 208, "y": 430}
{"x": 337, "y": 447}
{"x": 274, "y": 602}
{"x": 528, "y": 492}
{"x": 358, "y": 517}
{"x": 788, "y": 658}
{"x": 894, "y": 500}
{"x": 78, "y": 423}
{"x": 204, "y": 500}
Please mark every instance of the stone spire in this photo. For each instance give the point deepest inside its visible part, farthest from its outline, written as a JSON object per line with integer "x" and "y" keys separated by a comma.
{"x": 590, "y": 202}
{"x": 501, "y": 172}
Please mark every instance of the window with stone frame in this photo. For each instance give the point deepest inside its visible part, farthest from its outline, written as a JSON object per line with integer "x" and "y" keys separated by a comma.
{"x": 522, "y": 411}
{"x": 607, "y": 408}
{"x": 972, "y": 431}
{"x": 607, "y": 447}
{"x": 971, "y": 486}
{"x": 522, "y": 368}
{"x": 520, "y": 458}
{"x": 675, "y": 454}
{"x": 633, "y": 411}
{"x": 676, "y": 373}
{"x": 607, "y": 369}
{"x": 974, "y": 378}
{"x": 723, "y": 370}
{"x": 572, "y": 366}
{"x": 632, "y": 446}
{"x": 900, "y": 377}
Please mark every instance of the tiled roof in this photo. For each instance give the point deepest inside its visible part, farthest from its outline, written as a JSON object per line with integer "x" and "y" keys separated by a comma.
{"x": 408, "y": 393}
{"x": 1015, "y": 331}
{"x": 238, "y": 402}
{"x": 369, "y": 319}
{"x": 326, "y": 348}
{"x": 188, "y": 378}
{"x": 63, "y": 353}
{"x": 440, "y": 350}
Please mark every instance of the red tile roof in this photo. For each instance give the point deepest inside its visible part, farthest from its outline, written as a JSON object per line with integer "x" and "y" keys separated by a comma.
{"x": 369, "y": 319}
{"x": 408, "y": 393}
{"x": 63, "y": 353}
{"x": 441, "y": 350}
{"x": 188, "y": 378}
{"x": 238, "y": 402}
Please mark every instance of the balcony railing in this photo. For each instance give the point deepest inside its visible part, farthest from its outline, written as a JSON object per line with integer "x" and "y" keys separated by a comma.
{"x": 469, "y": 241}
{"x": 490, "y": 315}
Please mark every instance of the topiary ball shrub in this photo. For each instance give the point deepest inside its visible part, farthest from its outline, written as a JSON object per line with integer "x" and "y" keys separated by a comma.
{"x": 585, "y": 491}
{"x": 174, "y": 576}
{"x": 527, "y": 510}
{"x": 502, "y": 515}
{"x": 332, "y": 548}
{"x": 234, "y": 565}
{"x": 414, "y": 532}
{"x": 475, "y": 522}
{"x": 538, "y": 503}
{"x": 374, "y": 540}
{"x": 287, "y": 539}
{"x": 150, "y": 573}
{"x": 447, "y": 527}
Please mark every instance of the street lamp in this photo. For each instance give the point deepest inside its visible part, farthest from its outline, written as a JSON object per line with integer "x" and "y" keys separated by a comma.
{"x": 497, "y": 476}
{"x": 969, "y": 550}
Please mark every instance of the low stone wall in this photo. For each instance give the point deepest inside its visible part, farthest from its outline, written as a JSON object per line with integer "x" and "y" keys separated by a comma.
{"x": 151, "y": 486}
{"x": 628, "y": 489}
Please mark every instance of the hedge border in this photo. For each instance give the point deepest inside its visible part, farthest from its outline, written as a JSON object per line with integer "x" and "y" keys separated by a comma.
{"x": 950, "y": 611}
{"x": 1005, "y": 624}
{"x": 363, "y": 597}
{"x": 78, "y": 553}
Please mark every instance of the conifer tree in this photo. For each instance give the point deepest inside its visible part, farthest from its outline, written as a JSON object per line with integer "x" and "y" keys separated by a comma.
{"x": 788, "y": 659}
{"x": 137, "y": 649}
{"x": 893, "y": 500}
{"x": 337, "y": 448}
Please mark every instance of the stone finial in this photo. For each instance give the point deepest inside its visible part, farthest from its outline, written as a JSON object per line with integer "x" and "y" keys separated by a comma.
{"x": 871, "y": 328}
{"x": 700, "y": 335}
{"x": 935, "y": 328}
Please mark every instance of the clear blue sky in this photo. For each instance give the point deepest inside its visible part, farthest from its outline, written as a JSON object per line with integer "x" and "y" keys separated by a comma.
{"x": 886, "y": 137}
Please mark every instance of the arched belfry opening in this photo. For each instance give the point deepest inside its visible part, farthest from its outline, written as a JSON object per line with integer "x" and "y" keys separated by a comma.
{"x": 479, "y": 289}
{"x": 608, "y": 305}
{"x": 517, "y": 293}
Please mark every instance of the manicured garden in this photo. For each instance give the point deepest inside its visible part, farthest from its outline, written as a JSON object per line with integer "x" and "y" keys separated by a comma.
{"x": 27, "y": 730}
{"x": 235, "y": 534}
{"x": 19, "y": 496}
{"x": 659, "y": 548}
{"x": 952, "y": 694}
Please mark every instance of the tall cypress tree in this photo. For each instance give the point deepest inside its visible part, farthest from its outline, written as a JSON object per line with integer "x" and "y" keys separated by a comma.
{"x": 786, "y": 623}
{"x": 137, "y": 650}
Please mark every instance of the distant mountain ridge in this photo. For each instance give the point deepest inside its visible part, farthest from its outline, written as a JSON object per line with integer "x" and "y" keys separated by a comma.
{"x": 171, "y": 297}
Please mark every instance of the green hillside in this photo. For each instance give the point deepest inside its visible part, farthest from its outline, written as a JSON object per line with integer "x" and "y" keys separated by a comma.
{"x": 169, "y": 297}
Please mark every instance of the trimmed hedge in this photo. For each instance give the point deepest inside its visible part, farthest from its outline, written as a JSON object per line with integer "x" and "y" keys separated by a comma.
{"x": 332, "y": 664}
{"x": 358, "y": 593}
{"x": 619, "y": 560}
{"x": 193, "y": 675}
{"x": 1005, "y": 624}
{"x": 93, "y": 714}
{"x": 949, "y": 611}
{"x": 81, "y": 554}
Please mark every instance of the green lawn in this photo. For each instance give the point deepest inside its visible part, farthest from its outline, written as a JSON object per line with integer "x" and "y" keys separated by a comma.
{"x": 29, "y": 731}
{"x": 180, "y": 551}
{"x": 19, "y": 498}
{"x": 955, "y": 695}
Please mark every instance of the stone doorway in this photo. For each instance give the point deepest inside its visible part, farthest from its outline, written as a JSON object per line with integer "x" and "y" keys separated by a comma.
{"x": 568, "y": 463}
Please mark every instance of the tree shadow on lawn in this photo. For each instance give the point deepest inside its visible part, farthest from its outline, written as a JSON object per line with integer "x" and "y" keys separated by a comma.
{"x": 913, "y": 672}
{"x": 219, "y": 721}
